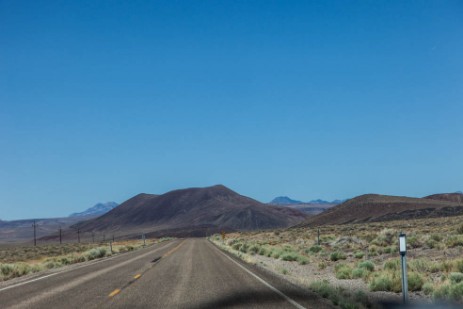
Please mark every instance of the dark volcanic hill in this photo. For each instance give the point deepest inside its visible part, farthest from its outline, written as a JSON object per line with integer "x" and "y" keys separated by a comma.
{"x": 192, "y": 212}
{"x": 374, "y": 207}
{"x": 450, "y": 197}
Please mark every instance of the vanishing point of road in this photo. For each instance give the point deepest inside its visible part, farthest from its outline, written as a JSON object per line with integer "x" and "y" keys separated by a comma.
{"x": 182, "y": 273}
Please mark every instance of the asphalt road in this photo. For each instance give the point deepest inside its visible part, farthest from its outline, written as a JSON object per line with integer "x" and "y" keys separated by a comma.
{"x": 190, "y": 273}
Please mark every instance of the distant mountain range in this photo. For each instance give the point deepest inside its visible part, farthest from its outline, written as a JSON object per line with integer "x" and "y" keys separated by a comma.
{"x": 192, "y": 212}
{"x": 375, "y": 207}
{"x": 97, "y": 210}
{"x": 313, "y": 207}
{"x": 284, "y": 200}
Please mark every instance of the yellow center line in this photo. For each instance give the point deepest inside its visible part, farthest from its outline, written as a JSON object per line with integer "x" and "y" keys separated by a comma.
{"x": 137, "y": 276}
{"x": 173, "y": 250}
{"x": 115, "y": 292}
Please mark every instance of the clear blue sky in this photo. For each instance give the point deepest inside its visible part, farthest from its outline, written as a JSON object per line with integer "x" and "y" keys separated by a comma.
{"x": 101, "y": 100}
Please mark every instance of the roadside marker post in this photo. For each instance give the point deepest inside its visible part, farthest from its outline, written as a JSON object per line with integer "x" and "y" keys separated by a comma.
{"x": 60, "y": 238}
{"x": 403, "y": 253}
{"x": 111, "y": 246}
{"x": 318, "y": 237}
{"x": 144, "y": 239}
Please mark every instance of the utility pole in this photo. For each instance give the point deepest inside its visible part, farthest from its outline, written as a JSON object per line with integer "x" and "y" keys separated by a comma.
{"x": 318, "y": 237}
{"x": 113, "y": 237}
{"x": 35, "y": 233}
{"x": 78, "y": 236}
{"x": 60, "y": 238}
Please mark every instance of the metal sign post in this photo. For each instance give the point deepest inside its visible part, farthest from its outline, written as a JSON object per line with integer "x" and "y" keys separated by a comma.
{"x": 403, "y": 252}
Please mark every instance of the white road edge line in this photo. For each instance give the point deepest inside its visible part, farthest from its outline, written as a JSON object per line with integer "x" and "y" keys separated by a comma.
{"x": 26, "y": 282}
{"x": 290, "y": 300}
{"x": 59, "y": 272}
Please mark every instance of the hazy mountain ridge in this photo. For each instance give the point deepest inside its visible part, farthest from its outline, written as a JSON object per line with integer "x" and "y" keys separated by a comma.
{"x": 96, "y": 210}
{"x": 314, "y": 207}
{"x": 285, "y": 200}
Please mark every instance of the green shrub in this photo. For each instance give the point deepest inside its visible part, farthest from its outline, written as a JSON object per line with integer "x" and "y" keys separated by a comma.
{"x": 386, "y": 282}
{"x": 419, "y": 265}
{"x": 385, "y": 237}
{"x": 231, "y": 242}
{"x": 388, "y": 250}
{"x": 368, "y": 265}
{"x": 340, "y": 296}
{"x": 373, "y": 250}
{"x": 244, "y": 248}
{"x": 456, "y": 291}
{"x": 262, "y": 251}
{"x": 436, "y": 237}
{"x": 270, "y": 253}
{"x": 314, "y": 249}
{"x": 381, "y": 283}
{"x": 343, "y": 271}
{"x": 236, "y": 245}
{"x": 393, "y": 264}
{"x": 435, "y": 267}
{"x": 6, "y": 269}
{"x": 276, "y": 254}
{"x": 336, "y": 256}
{"x": 359, "y": 273}
{"x": 51, "y": 264}
{"x": 289, "y": 256}
{"x": 428, "y": 288}
{"x": 454, "y": 241}
{"x": 415, "y": 282}
{"x": 358, "y": 254}
{"x": 254, "y": 249}
{"x": 96, "y": 253}
{"x": 302, "y": 260}
{"x": 412, "y": 241}
{"x": 323, "y": 288}
{"x": 441, "y": 292}
{"x": 322, "y": 265}
{"x": 459, "y": 266}
{"x": 456, "y": 277}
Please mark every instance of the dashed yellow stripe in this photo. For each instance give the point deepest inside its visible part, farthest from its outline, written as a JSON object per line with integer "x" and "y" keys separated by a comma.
{"x": 173, "y": 250}
{"x": 137, "y": 276}
{"x": 115, "y": 292}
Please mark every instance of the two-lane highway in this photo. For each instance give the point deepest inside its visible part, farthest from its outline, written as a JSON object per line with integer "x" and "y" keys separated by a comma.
{"x": 190, "y": 273}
